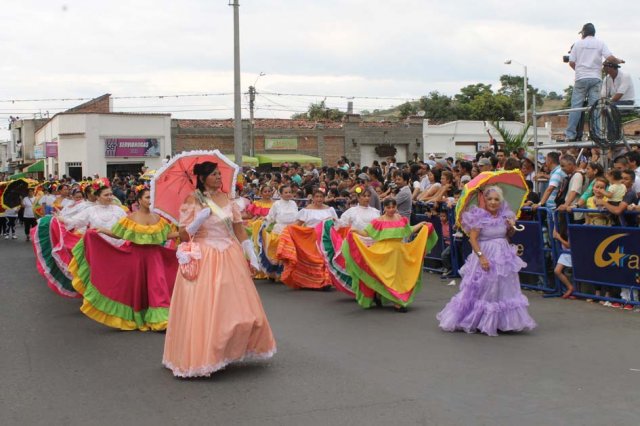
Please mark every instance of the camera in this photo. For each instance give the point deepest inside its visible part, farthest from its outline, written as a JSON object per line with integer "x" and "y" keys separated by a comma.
{"x": 565, "y": 59}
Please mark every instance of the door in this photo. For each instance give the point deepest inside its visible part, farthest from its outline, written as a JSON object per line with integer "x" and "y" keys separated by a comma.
{"x": 124, "y": 169}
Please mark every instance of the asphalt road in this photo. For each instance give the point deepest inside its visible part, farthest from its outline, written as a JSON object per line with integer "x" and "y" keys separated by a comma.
{"x": 336, "y": 365}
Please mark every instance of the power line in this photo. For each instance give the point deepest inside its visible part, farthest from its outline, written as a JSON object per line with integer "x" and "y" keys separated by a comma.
{"x": 338, "y": 96}
{"x": 118, "y": 97}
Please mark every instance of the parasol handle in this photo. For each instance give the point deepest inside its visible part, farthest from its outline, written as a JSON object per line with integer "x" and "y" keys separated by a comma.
{"x": 518, "y": 228}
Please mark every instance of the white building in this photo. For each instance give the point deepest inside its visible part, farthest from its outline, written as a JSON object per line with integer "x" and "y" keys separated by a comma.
{"x": 465, "y": 138}
{"x": 81, "y": 144}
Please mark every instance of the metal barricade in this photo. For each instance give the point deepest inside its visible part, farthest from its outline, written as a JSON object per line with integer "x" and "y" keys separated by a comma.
{"x": 605, "y": 258}
{"x": 429, "y": 212}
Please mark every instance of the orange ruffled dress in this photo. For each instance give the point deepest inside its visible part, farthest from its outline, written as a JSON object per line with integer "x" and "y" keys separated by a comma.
{"x": 217, "y": 319}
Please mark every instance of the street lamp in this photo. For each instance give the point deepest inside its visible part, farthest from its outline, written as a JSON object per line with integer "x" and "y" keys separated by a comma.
{"x": 526, "y": 88}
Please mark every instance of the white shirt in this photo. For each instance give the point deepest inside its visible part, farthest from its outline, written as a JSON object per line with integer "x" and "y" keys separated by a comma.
{"x": 282, "y": 213}
{"x": 622, "y": 84}
{"x": 312, "y": 217}
{"x": 27, "y": 204}
{"x": 98, "y": 216}
{"x": 588, "y": 53}
{"x": 358, "y": 217}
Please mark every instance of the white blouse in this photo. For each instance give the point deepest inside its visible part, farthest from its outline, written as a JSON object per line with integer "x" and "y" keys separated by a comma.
{"x": 358, "y": 217}
{"x": 97, "y": 216}
{"x": 312, "y": 217}
{"x": 282, "y": 213}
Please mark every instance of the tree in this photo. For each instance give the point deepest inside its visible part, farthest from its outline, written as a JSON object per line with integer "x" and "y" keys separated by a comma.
{"x": 568, "y": 92}
{"x": 513, "y": 141}
{"x": 472, "y": 91}
{"x": 438, "y": 107}
{"x": 319, "y": 111}
{"x": 489, "y": 106}
{"x": 513, "y": 85}
{"x": 407, "y": 109}
{"x": 553, "y": 96}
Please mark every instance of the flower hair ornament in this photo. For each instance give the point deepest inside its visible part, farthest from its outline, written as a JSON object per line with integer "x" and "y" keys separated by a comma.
{"x": 359, "y": 189}
{"x": 100, "y": 184}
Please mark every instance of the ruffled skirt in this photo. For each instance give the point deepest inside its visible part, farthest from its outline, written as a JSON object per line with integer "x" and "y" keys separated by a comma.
{"x": 304, "y": 265}
{"x": 217, "y": 319}
{"x": 52, "y": 245}
{"x": 489, "y": 301}
{"x": 135, "y": 295}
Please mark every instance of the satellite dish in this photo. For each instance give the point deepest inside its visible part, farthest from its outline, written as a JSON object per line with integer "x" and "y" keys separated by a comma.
{"x": 421, "y": 113}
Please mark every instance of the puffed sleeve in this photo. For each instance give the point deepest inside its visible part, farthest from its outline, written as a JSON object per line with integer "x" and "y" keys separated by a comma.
{"x": 302, "y": 215}
{"x": 475, "y": 218}
{"x": 236, "y": 215}
{"x": 273, "y": 213}
{"x": 80, "y": 220}
{"x": 334, "y": 215}
{"x": 187, "y": 211}
{"x": 346, "y": 219}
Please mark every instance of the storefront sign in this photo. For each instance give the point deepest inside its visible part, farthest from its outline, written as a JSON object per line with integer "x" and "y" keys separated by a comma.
{"x": 131, "y": 147}
{"x": 51, "y": 149}
{"x": 281, "y": 144}
{"x": 605, "y": 254}
{"x": 38, "y": 152}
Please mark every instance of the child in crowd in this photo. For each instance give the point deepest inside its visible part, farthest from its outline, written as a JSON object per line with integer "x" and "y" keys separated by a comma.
{"x": 599, "y": 191}
{"x": 564, "y": 261}
{"x": 445, "y": 256}
{"x": 615, "y": 192}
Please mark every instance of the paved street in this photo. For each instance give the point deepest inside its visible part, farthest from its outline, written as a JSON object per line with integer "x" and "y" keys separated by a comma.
{"x": 336, "y": 365}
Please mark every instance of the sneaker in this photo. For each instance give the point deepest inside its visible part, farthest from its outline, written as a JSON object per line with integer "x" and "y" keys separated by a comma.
{"x": 13, "y": 237}
{"x": 458, "y": 234}
{"x": 6, "y": 236}
{"x": 628, "y": 307}
{"x": 607, "y": 304}
{"x": 615, "y": 305}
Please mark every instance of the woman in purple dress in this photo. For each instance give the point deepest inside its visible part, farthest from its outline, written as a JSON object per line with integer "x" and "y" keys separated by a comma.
{"x": 490, "y": 299}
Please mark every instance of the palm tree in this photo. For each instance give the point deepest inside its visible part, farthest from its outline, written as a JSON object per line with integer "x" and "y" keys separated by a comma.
{"x": 513, "y": 141}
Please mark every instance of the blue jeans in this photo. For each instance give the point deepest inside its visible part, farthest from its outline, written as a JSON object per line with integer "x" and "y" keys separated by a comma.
{"x": 586, "y": 87}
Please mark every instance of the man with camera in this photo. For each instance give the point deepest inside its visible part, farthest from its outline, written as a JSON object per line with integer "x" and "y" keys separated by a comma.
{"x": 586, "y": 59}
{"x": 617, "y": 86}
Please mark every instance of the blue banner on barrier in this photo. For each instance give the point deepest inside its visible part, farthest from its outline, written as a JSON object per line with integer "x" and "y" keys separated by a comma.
{"x": 605, "y": 254}
{"x": 529, "y": 245}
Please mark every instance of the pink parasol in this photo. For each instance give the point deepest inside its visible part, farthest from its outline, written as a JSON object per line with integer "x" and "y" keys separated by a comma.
{"x": 175, "y": 180}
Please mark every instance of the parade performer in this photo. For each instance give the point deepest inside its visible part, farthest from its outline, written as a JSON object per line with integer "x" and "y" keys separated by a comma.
{"x": 390, "y": 270}
{"x": 490, "y": 299}
{"x": 138, "y": 296}
{"x": 63, "y": 198}
{"x": 216, "y": 317}
{"x": 330, "y": 238}
{"x": 256, "y": 212}
{"x": 304, "y": 265}
{"x": 283, "y": 213}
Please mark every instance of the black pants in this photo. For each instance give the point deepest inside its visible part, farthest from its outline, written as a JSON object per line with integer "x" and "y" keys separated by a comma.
{"x": 11, "y": 226}
{"x": 3, "y": 225}
{"x": 29, "y": 222}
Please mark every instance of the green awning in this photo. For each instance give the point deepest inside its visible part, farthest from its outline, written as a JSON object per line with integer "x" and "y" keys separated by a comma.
{"x": 247, "y": 161}
{"x": 17, "y": 176}
{"x": 36, "y": 167}
{"x": 276, "y": 160}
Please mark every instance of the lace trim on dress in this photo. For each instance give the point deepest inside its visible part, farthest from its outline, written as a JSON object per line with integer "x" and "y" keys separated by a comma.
{"x": 207, "y": 370}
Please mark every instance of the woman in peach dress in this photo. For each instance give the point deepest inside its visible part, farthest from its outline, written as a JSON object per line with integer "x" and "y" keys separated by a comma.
{"x": 218, "y": 318}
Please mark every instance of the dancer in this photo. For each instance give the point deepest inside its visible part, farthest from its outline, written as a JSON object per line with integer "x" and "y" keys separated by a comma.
{"x": 304, "y": 265}
{"x": 283, "y": 213}
{"x": 390, "y": 270}
{"x": 138, "y": 296}
{"x": 217, "y": 318}
{"x": 256, "y": 212}
{"x": 330, "y": 238}
{"x": 490, "y": 299}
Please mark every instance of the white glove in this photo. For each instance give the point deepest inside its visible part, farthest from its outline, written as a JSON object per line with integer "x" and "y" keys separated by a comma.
{"x": 247, "y": 248}
{"x": 202, "y": 215}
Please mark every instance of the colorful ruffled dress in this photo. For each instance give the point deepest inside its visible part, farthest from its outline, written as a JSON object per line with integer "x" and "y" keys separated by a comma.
{"x": 259, "y": 209}
{"x": 489, "y": 301}
{"x": 281, "y": 214}
{"x": 53, "y": 243}
{"x": 217, "y": 319}
{"x": 390, "y": 267}
{"x": 304, "y": 265}
{"x": 331, "y": 238}
{"x": 137, "y": 296}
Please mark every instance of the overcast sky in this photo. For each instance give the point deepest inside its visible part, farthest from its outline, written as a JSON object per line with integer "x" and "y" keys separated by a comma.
{"x": 364, "y": 49}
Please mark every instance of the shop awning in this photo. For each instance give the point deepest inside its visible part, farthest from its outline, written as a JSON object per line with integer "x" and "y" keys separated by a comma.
{"x": 17, "y": 176}
{"x": 36, "y": 167}
{"x": 247, "y": 161}
{"x": 276, "y": 160}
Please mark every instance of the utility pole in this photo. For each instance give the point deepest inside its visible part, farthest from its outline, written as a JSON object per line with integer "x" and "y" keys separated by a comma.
{"x": 237, "y": 132}
{"x": 252, "y": 99}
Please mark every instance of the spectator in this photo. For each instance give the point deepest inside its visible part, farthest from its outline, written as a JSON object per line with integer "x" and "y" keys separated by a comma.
{"x": 403, "y": 198}
{"x": 552, "y": 163}
{"x": 617, "y": 86}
